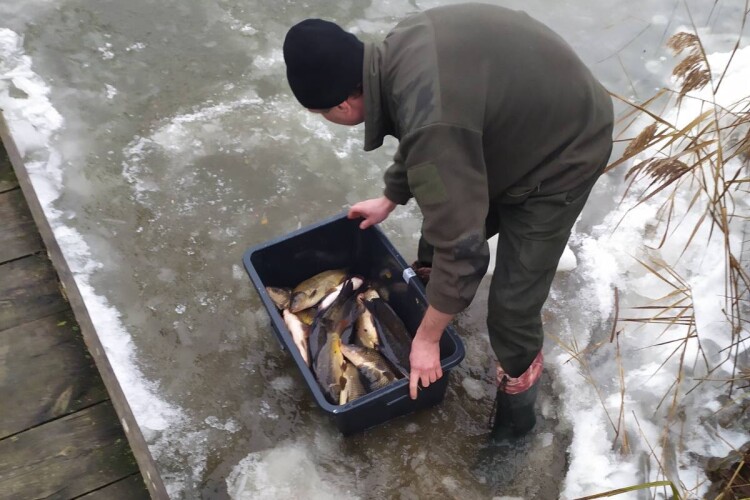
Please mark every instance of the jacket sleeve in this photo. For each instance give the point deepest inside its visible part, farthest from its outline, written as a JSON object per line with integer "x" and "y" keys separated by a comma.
{"x": 396, "y": 182}
{"x": 446, "y": 174}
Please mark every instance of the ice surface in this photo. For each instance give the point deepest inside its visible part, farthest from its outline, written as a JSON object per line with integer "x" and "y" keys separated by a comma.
{"x": 160, "y": 155}
{"x": 546, "y": 439}
{"x": 474, "y": 388}
{"x": 285, "y": 471}
{"x": 34, "y": 124}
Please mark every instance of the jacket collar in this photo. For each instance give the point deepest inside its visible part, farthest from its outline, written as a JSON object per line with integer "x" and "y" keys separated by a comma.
{"x": 377, "y": 120}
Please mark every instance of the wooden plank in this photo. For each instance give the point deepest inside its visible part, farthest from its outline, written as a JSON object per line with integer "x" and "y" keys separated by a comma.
{"x": 67, "y": 457}
{"x": 130, "y": 488}
{"x": 18, "y": 234}
{"x": 45, "y": 373}
{"x": 133, "y": 432}
{"x": 29, "y": 290}
{"x": 7, "y": 176}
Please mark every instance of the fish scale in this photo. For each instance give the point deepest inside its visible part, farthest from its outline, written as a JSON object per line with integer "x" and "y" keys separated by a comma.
{"x": 371, "y": 364}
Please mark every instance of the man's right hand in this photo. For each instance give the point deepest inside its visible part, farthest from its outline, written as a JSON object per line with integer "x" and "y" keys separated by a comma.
{"x": 373, "y": 211}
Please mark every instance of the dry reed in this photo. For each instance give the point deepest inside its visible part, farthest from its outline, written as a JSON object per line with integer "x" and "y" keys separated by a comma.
{"x": 676, "y": 160}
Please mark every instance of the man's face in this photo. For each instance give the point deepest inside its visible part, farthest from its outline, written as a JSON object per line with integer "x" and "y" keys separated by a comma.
{"x": 350, "y": 112}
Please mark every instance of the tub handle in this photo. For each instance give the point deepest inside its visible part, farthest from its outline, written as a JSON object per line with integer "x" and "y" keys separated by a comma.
{"x": 408, "y": 274}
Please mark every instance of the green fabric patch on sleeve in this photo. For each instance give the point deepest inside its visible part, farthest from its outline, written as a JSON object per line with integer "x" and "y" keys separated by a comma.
{"x": 426, "y": 184}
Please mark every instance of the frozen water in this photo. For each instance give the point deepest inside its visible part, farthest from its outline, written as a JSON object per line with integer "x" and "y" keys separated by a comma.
{"x": 474, "y": 388}
{"x": 282, "y": 472}
{"x": 161, "y": 154}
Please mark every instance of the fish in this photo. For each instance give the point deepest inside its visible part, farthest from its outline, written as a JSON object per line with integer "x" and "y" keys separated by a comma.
{"x": 353, "y": 387}
{"x": 313, "y": 290}
{"x": 342, "y": 312}
{"x": 395, "y": 341}
{"x": 328, "y": 299}
{"x": 330, "y": 364}
{"x": 366, "y": 334}
{"x": 299, "y": 332}
{"x": 281, "y": 297}
{"x": 371, "y": 364}
{"x": 307, "y": 315}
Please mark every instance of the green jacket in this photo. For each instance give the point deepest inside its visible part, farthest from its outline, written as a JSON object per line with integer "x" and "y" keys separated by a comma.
{"x": 488, "y": 104}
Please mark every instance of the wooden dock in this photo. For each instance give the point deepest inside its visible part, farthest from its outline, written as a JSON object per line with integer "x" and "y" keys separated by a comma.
{"x": 60, "y": 436}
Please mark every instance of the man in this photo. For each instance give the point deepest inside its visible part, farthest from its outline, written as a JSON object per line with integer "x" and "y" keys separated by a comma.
{"x": 501, "y": 129}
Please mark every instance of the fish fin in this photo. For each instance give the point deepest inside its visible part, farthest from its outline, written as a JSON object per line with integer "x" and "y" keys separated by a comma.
{"x": 346, "y": 335}
{"x": 369, "y": 305}
{"x": 395, "y": 367}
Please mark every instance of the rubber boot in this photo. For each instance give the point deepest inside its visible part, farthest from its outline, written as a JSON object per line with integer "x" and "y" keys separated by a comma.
{"x": 514, "y": 414}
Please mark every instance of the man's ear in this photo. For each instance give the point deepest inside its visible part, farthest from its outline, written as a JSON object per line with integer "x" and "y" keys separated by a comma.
{"x": 354, "y": 102}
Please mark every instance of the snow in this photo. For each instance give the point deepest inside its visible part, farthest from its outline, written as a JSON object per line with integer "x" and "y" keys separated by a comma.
{"x": 609, "y": 258}
{"x": 603, "y": 259}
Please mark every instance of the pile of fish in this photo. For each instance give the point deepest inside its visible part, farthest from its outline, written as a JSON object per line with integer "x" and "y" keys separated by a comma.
{"x": 351, "y": 339}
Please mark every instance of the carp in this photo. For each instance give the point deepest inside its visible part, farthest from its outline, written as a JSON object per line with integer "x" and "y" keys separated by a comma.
{"x": 353, "y": 387}
{"x": 299, "y": 332}
{"x": 373, "y": 367}
{"x": 330, "y": 364}
{"x": 307, "y": 315}
{"x": 313, "y": 290}
{"x": 340, "y": 314}
{"x": 328, "y": 299}
{"x": 366, "y": 334}
{"x": 281, "y": 297}
{"x": 395, "y": 341}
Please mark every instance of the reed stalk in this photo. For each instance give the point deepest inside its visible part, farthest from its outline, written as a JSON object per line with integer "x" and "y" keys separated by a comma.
{"x": 665, "y": 160}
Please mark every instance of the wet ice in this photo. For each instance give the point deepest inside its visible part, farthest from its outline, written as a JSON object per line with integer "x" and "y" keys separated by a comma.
{"x": 178, "y": 139}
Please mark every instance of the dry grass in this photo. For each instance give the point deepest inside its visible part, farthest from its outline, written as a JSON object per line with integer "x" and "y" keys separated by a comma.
{"x": 693, "y": 70}
{"x": 693, "y": 158}
{"x": 675, "y": 160}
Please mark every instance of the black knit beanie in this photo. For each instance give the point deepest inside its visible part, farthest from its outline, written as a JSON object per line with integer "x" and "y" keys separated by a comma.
{"x": 323, "y": 63}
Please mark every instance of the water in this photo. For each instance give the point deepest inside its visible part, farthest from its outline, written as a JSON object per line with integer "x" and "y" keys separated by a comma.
{"x": 182, "y": 146}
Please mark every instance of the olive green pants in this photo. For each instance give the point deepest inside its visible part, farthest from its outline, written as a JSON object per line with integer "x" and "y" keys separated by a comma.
{"x": 532, "y": 237}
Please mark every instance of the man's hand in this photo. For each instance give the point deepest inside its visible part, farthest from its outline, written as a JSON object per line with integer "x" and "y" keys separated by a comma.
{"x": 373, "y": 211}
{"x": 425, "y": 350}
{"x": 425, "y": 364}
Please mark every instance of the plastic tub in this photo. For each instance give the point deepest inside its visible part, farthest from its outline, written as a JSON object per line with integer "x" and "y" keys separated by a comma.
{"x": 337, "y": 243}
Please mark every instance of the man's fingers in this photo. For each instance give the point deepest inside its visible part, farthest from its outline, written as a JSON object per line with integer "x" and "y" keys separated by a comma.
{"x": 413, "y": 379}
{"x": 356, "y": 213}
{"x": 425, "y": 380}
